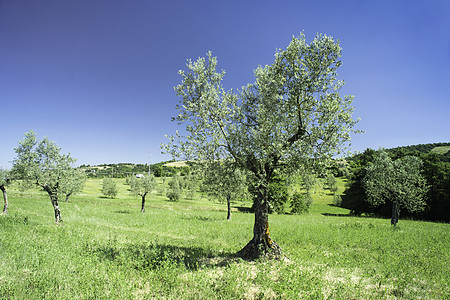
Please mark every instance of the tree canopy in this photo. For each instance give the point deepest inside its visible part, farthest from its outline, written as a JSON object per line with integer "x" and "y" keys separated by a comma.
{"x": 293, "y": 116}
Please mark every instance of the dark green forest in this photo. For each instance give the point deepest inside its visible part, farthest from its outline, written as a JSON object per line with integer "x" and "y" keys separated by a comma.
{"x": 436, "y": 170}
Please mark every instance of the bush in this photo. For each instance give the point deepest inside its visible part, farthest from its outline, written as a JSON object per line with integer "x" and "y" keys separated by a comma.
{"x": 174, "y": 192}
{"x": 337, "y": 200}
{"x": 300, "y": 203}
{"x": 109, "y": 188}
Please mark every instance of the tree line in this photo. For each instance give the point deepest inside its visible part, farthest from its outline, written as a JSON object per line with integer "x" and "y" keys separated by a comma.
{"x": 122, "y": 170}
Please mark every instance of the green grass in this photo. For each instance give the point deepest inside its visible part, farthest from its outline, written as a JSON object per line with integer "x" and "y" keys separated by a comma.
{"x": 441, "y": 149}
{"x": 177, "y": 164}
{"x": 108, "y": 249}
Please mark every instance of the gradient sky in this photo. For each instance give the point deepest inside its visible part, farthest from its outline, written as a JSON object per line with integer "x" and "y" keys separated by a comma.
{"x": 97, "y": 76}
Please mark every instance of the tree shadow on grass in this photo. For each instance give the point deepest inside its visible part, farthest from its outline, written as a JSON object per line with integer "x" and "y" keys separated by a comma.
{"x": 338, "y": 215}
{"x": 244, "y": 209}
{"x": 151, "y": 256}
{"x": 354, "y": 215}
{"x": 124, "y": 211}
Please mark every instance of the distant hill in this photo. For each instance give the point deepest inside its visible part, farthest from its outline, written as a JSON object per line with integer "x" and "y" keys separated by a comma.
{"x": 176, "y": 164}
{"x": 121, "y": 170}
{"x": 440, "y": 148}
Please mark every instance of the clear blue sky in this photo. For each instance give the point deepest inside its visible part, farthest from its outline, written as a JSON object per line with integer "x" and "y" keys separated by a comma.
{"x": 97, "y": 76}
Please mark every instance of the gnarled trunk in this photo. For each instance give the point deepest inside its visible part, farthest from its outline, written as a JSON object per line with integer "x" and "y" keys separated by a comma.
{"x": 5, "y": 197}
{"x": 261, "y": 244}
{"x": 54, "y": 199}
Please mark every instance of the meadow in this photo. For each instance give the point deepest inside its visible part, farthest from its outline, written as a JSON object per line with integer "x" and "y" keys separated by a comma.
{"x": 107, "y": 249}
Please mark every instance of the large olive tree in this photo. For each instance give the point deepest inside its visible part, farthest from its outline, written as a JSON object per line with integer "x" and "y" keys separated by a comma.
{"x": 42, "y": 164}
{"x": 293, "y": 116}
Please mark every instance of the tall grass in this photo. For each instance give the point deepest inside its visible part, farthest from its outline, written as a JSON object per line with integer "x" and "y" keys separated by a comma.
{"x": 108, "y": 249}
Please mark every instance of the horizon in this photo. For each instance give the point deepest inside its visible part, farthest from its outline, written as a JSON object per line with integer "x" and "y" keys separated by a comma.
{"x": 97, "y": 78}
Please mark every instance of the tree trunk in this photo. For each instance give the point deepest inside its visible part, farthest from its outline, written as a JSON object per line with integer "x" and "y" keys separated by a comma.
{"x": 143, "y": 203}
{"x": 67, "y": 197}
{"x": 54, "y": 199}
{"x": 228, "y": 207}
{"x": 395, "y": 212}
{"x": 5, "y": 197}
{"x": 261, "y": 245}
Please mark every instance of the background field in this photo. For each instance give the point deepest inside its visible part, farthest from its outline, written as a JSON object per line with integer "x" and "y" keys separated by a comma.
{"x": 108, "y": 249}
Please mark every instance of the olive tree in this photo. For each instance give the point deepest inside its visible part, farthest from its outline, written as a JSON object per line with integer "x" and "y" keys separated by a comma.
{"x": 292, "y": 116}
{"x": 109, "y": 187}
{"x": 223, "y": 181}
{"x": 4, "y": 181}
{"x": 174, "y": 192}
{"x": 42, "y": 164}
{"x": 141, "y": 187}
{"x": 398, "y": 182}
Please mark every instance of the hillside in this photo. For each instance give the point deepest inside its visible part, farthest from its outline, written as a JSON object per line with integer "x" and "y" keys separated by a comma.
{"x": 122, "y": 170}
{"x": 441, "y": 149}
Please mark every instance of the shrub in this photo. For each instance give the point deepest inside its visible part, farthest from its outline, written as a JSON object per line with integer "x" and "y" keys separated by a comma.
{"x": 300, "y": 203}
{"x": 109, "y": 188}
{"x": 337, "y": 200}
{"x": 174, "y": 192}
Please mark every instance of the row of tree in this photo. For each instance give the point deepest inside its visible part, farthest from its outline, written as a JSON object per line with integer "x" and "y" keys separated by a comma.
{"x": 123, "y": 170}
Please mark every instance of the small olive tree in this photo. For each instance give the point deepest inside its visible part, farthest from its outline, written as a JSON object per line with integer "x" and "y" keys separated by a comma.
{"x": 42, "y": 164}
{"x": 142, "y": 187}
{"x": 4, "y": 181}
{"x": 223, "y": 181}
{"x": 174, "y": 191}
{"x": 109, "y": 187}
{"x": 398, "y": 182}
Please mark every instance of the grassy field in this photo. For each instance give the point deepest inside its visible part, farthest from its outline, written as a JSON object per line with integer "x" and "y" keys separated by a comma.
{"x": 441, "y": 149}
{"x": 107, "y": 249}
